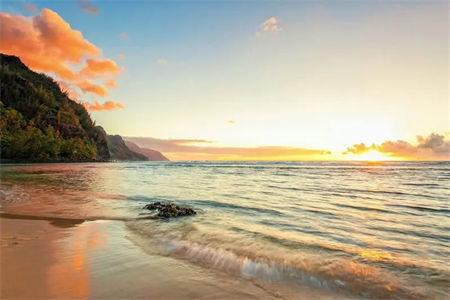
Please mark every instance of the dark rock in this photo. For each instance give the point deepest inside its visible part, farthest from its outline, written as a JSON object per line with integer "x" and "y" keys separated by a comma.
{"x": 170, "y": 210}
{"x": 154, "y": 205}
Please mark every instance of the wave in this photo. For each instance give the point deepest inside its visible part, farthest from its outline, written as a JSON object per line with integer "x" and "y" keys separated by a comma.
{"x": 395, "y": 193}
{"x": 269, "y": 265}
{"x": 244, "y": 266}
{"x": 422, "y": 184}
{"x": 237, "y": 207}
{"x": 75, "y": 220}
{"x": 423, "y": 208}
{"x": 288, "y": 188}
{"x": 365, "y": 208}
{"x": 432, "y": 237}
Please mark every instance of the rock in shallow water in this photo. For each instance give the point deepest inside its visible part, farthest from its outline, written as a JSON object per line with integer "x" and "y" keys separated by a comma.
{"x": 170, "y": 210}
{"x": 154, "y": 205}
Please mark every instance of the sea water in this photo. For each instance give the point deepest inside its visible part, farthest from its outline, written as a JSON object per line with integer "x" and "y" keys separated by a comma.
{"x": 364, "y": 230}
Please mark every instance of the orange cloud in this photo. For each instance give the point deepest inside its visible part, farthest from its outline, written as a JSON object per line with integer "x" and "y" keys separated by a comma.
{"x": 432, "y": 147}
{"x": 31, "y": 8}
{"x": 99, "y": 68}
{"x": 60, "y": 39}
{"x": 47, "y": 43}
{"x": 31, "y": 40}
{"x": 111, "y": 83}
{"x": 88, "y": 86}
{"x": 121, "y": 56}
{"x": 88, "y": 7}
{"x": 107, "y": 106}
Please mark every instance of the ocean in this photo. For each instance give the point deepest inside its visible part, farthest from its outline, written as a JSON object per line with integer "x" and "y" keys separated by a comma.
{"x": 348, "y": 229}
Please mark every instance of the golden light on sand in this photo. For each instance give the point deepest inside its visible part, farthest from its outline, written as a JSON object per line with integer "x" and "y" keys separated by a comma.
{"x": 372, "y": 155}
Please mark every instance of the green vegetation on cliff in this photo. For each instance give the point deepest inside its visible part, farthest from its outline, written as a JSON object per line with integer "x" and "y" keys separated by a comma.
{"x": 40, "y": 122}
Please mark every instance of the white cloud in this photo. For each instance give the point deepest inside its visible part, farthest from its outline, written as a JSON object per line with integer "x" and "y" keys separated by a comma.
{"x": 270, "y": 25}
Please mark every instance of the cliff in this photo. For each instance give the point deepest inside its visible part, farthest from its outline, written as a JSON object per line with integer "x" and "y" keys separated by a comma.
{"x": 39, "y": 122}
{"x": 152, "y": 155}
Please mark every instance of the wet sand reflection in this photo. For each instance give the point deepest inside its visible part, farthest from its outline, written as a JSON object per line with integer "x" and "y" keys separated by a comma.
{"x": 69, "y": 277}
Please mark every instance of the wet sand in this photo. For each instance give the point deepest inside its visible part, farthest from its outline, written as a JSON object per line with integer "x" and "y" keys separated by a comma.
{"x": 95, "y": 259}
{"x": 66, "y": 259}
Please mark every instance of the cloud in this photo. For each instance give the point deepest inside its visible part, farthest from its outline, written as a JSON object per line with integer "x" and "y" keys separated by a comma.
{"x": 434, "y": 141}
{"x": 100, "y": 68}
{"x": 111, "y": 83}
{"x": 121, "y": 56}
{"x": 432, "y": 147}
{"x": 189, "y": 141}
{"x": 47, "y": 43}
{"x": 31, "y": 8}
{"x": 106, "y": 106}
{"x": 270, "y": 25}
{"x": 124, "y": 35}
{"x": 358, "y": 149}
{"x": 194, "y": 149}
{"x": 88, "y": 86}
{"x": 88, "y": 7}
{"x": 161, "y": 62}
{"x": 60, "y": 39}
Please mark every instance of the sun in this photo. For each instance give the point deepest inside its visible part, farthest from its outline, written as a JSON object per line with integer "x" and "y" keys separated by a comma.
{"x": 372, "y": 155}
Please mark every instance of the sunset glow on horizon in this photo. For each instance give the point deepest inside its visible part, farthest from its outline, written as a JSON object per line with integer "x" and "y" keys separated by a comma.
{"x": 372, "y": 155}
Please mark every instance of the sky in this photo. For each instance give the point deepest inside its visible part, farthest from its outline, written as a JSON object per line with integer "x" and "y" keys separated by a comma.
{"x": 271, "y": 80}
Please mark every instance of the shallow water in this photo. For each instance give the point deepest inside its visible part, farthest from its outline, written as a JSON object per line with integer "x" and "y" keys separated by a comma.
{"x": 351, "y": 229}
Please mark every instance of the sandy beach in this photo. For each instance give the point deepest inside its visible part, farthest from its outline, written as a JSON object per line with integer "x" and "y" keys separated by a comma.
{"x": 47, "y": 259}
{"x": 66, "y": 259}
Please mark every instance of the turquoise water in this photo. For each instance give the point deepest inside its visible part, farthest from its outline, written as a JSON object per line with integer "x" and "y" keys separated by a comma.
{"x": 355, "y": 229}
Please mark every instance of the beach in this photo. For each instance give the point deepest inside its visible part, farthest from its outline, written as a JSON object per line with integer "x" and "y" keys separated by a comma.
{"x": 60, "y": 259}
{"x": 262, "y": 231}
{"x": 65, "y": 261}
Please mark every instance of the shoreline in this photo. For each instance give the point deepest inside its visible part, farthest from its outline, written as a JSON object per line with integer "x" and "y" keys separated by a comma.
{"x": 96, "y": 259}
{"x": 100, "y": 259}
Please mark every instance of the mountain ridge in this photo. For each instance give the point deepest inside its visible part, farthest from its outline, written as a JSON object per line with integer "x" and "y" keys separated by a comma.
{"x": 152, "y": 155}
